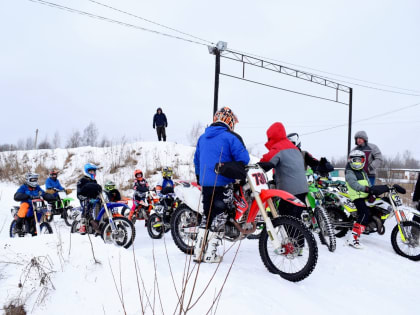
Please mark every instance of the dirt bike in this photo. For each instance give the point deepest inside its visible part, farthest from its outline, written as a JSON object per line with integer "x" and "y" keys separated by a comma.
{"x": 405, "y": 236}
{"x": 109, "y": 223}
{"x": 160, "y": 216}
{"x": 35, "y": 225}
{"x": 316, "y": 217}
{"x": 143, "y": 207}
{"x": 62, "y": 207}
{"x": 286, "y": 246}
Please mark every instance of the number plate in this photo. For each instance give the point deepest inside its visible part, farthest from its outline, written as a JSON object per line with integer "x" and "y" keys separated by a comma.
{"x": 258, "y": 179}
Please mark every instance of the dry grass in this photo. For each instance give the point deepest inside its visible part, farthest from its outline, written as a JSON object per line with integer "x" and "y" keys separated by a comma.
{"x": 15, "y": 307}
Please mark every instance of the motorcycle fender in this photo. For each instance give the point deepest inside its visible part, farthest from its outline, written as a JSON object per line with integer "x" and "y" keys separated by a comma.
{"x": 266, "y": 194}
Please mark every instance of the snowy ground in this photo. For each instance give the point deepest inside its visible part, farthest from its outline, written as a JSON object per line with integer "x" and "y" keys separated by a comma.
{"x": 374, "y": 280}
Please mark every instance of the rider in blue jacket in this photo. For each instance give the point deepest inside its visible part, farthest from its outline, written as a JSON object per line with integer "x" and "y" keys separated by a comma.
{"x": 218, "y": 144}
{"x": 52, "y": 182}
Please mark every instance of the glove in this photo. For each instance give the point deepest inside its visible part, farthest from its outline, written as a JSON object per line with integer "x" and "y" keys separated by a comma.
{"x": 198, "y": 178}
{"x": 266, "y": 166}
{"x": 153, "y": 127}
{"x": 378, "y": 189}
{"x": 68, "y": 191}
{"x": 367, "y": 189}
{"x": 166, "y": 125}
{"x": 323, "y": 161}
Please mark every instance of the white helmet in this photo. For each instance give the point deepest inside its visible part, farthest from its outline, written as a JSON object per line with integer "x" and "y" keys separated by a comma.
{"x": 357, "y": 159}
{"x": 31, "y": 179}
{"x": 294, "y": 138}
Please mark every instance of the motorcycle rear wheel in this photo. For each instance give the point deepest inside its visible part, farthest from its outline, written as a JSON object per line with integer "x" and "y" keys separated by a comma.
{"x": 410, "y": 248}
{"x": 326, "y": 234}
{"x": 338, "y": 215}
{"x": 301, "y": 252}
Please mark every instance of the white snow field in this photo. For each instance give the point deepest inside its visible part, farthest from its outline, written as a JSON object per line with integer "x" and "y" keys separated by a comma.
{"x": 374, "y": 280}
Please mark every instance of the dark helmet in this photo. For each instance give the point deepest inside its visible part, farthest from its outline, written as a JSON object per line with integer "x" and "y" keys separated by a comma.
{"x": 294, "y": 138}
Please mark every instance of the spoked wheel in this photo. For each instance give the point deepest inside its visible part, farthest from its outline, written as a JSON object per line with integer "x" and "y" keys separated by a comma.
{"x": 298, "y": 254}
{"x": 410, "y": 247}
{"x": 337, "y": 218}
{"x": 70, "y": 214}
{"x": 326, "y": 234}
{"x": 123, "y": 235}
{"x": 155, "y": 226}
{"x": 184, "y": 228}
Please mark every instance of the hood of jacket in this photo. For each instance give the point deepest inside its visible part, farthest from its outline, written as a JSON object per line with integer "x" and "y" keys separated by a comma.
{"x": 159, "y": 109}
{"x": 215, "y": 129}
{"x": 276, "y": 133}
{"x": 361, "y": 134}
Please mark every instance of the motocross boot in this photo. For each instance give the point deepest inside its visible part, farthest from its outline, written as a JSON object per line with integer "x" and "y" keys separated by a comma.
{"x": 214, "y": 240}
{"x": 19, "y": 229}
{"x": 200, "y": 245}
{"x": 354, "y": 237}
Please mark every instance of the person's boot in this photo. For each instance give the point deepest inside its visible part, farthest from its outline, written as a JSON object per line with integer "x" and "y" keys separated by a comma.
{"x": 130, "y": 215}
{"x": 82, "y": 228}
{"x": 354, "y": 239}
{"x": 214, "y": 240}
{"x": 200, "y": 245}
{"x": 19, "y": 227}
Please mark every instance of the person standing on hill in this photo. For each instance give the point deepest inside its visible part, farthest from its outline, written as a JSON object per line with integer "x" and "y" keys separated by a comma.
{"x": 372, "y": 153}
{"x": 160, "y": 122}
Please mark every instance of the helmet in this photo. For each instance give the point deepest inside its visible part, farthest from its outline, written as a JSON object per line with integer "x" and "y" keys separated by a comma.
{"x": 136, "y": 172}
{"x": 90, "y": 167}
{"x": 357, "y": 159}
{"x": 167, "y": 172}
{"x": 226, "y": 116}
{"x": 294, "y": 138}
{"x": 54, "y": 173}
{"x": 31, "y": 179}
{"x": 109, "y": 185}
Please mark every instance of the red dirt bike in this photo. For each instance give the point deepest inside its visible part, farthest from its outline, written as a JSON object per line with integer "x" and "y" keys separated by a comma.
{"x": 143, "y": 206}
{"x": 287, "y": 247}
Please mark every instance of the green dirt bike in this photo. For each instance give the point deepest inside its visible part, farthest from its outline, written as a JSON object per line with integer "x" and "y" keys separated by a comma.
{"x": 405, "y": 236}
{"x": 63, "y": 208}
{"x": 316, "y": 217}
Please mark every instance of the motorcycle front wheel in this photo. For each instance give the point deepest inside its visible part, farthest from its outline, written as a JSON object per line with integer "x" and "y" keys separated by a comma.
{"x": 410, "y": 247}
{"x": 123, "y": 235}
{"x": 155, "y": 226}
{"x": 184, "y": 228}
{"x": 298, "y": 255}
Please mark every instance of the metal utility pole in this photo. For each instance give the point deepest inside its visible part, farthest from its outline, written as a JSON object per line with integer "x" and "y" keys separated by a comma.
{"x": 36, "y": 138}
{"x": 350, "y": 120}
{"x": 221, "y": 46}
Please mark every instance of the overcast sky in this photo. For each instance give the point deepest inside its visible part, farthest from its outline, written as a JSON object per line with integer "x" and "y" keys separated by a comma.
{"x": 60, "y": 70}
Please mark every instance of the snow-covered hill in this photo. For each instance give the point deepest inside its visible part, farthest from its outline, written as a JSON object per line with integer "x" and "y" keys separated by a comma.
{"x": 374, "y": 280}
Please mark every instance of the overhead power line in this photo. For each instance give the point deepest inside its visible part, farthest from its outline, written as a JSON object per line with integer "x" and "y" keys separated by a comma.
{"x": 99, "y": 17}
{"x": 364, "y": 119}
{"x": 150, "y": 21}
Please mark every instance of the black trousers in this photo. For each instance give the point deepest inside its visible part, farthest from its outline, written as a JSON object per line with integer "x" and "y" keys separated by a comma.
{"x": 363, "y": 211}
{"x": 161, "y": 132}
{"x": 213, "y": 203}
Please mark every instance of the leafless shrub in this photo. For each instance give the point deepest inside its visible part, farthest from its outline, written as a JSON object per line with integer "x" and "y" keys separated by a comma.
{"x": 56, "y": 140}
{"x": 68, "y": 158}
{"x": 15, "y": 307}
{"x": 75, "y": 140}
{"x": 45, "y": 144}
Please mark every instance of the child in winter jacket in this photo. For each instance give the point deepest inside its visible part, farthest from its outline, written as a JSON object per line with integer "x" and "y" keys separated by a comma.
{"x": 52, "y": 183}
{"x": 140, "y": 188}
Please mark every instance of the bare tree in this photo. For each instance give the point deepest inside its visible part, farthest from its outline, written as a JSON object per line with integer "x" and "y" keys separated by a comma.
{"x": 29, "y": 145}
{"x": 339, "y": 162}
{"x": 105, "y": 142}
{"x": 21, "y": 144}
{"x": 195, "y": 133}
{"x": 56, "y": 140}
{"x": 90, "y": 134}
{"x": 409, "y": 161}
{"x": 75, "y": 140}
{"x": 44, "y": 144}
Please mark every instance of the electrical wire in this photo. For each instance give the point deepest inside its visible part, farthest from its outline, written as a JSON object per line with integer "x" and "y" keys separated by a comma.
{"x": 339, "y": 75}
{"x": 95, "y": 16}
{"x": 364, "y": 119}
{"x": 150, "y": 21}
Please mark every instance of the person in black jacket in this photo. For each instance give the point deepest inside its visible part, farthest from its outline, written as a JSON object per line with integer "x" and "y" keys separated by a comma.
{"x": 88, "y": 188}
{"x": 160, "y": 122}
{"x": 416, "y": 194}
